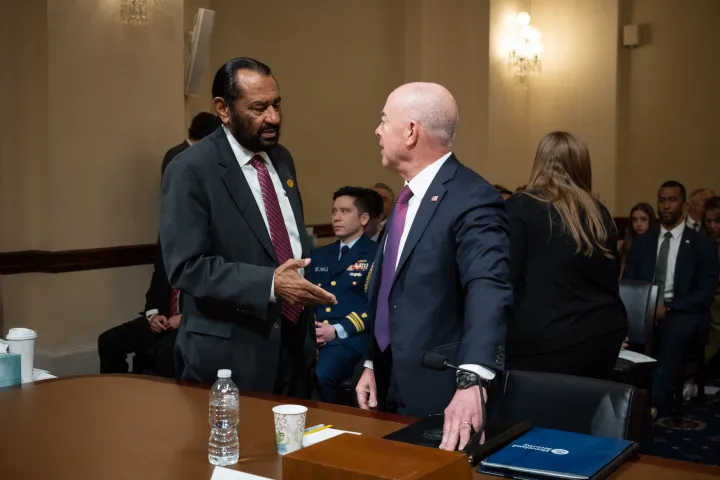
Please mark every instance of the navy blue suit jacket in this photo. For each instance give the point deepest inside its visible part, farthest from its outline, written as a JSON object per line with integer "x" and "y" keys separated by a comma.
{"x": 696, "y": 269}
{"x": 451, "y": 291}
{"x": 346, "y": 280}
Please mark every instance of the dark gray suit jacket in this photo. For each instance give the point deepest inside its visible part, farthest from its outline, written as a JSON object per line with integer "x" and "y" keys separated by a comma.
{"x": 218, "y": 252}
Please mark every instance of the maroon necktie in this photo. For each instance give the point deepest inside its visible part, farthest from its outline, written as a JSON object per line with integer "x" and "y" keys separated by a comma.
{"x": 278, "y": 232}
{"x": 175, "y": 302}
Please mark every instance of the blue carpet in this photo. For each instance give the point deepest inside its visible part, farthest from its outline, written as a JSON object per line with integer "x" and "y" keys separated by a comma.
{"x": 694, "y": 436}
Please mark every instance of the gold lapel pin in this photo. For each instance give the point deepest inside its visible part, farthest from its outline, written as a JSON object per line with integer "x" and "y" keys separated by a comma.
{"x": 290, "y": 183}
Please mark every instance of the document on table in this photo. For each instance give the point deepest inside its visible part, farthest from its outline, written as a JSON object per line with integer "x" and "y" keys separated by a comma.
{"x": 322, "y": 435}
{"x": 635, "y": 357}
{"x": 221, "y": 473}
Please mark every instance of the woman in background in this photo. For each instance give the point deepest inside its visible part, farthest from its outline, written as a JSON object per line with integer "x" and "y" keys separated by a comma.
{"x": 564, "y": 266}
{"x": 711, "y": 226}
{"x": 642, "y": 219}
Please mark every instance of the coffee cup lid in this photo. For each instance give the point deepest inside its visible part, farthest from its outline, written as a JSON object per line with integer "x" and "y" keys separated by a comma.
{"x": 21, "y": 334}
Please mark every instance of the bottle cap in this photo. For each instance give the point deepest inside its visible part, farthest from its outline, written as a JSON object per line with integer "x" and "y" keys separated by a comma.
{"x": 224, "y": 373}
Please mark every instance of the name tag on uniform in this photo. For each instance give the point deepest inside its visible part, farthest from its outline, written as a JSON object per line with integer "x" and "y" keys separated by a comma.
{"x": 320, "y": 269}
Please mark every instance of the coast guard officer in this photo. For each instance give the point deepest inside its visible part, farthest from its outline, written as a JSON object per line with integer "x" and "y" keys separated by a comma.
{"x": 341, "y": 268}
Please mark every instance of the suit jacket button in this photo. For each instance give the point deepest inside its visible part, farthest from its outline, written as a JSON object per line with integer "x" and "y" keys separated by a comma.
{"x": 327, "y": 309}
{"x": 276, "y": 325}
{"x": 333, "y": 283}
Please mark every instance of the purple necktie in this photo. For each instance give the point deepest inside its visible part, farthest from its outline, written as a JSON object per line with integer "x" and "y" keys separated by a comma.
{"x": 390, "y": 257}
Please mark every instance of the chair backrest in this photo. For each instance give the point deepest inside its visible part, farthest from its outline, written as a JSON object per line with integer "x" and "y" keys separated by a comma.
{"x": 574, "y": 404}
{"x": 640, "y": 299}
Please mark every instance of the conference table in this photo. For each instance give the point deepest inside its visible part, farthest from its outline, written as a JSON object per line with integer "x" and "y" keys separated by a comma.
{"x": 137, "y": 427}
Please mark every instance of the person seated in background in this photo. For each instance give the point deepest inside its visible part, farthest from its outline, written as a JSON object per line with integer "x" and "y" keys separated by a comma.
{"x": 388, "y": 197}
{"x": 375, "y": 209}
{"x": 711, "y": 228}
{"x": 684, "y": 264}
{"x": 504, "y": 191}
{"x": 151, "y": 337}
{"x": 695, "y": 205}
{"x": 202, "y": 125}
{"x": 569, "y": 317}
{"x": 642, "y": 219}
{"x": 341, "y": 268}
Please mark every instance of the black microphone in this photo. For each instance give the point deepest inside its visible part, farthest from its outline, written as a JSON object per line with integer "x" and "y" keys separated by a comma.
{"x": 436, "y": 361}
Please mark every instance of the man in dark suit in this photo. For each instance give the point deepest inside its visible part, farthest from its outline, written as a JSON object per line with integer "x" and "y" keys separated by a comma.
{"x": 374, "y": 228}
{"x": 202, "y": 125}
{"x": 341, "y": 268}
{"x": 233, "y": 239}
{"x": 440, "y": 278}
{"x": 150, "y": 337}
{"x": 684, "y": 264}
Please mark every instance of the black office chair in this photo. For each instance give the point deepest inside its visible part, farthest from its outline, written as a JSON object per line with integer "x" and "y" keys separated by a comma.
{"x": 574, "y": 404}
{"x": 640, "y": 300}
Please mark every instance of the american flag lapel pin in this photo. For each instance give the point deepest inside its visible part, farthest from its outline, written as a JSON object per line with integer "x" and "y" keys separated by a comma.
{"x": 434, "y": 198}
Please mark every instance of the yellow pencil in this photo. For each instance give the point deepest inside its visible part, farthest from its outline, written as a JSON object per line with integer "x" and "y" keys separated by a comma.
{"x": 318, "y": 429}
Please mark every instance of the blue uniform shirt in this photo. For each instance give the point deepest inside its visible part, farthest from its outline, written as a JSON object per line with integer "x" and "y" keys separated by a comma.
{"x": 345, "y": 278}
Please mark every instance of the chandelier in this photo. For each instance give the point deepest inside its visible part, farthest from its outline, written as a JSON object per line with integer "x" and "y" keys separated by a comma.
{"x": 134, "y": 12}
{"x": 524, "y": 57}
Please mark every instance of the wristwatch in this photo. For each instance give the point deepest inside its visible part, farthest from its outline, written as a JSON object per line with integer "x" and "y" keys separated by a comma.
{"x": 465, "y": 380}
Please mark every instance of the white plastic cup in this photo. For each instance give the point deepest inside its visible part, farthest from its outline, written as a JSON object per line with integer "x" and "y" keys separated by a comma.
{"x": 22, "y": 341}
{"x": 289, "y": 427}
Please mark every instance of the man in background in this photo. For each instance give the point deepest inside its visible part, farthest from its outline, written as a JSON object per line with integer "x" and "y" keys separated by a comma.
{"x": 440, "y": 281}
{"x": 374, "y": 228}
{"x": 234, "y": 242}
{"x": 695, "y": 206}
{"x": 201, "y": 126}
{"x": 151, "y": 337}
{"x": 341, "y": 268}
{"x": 684, "y": 264}
{"x": 388, "y": 197}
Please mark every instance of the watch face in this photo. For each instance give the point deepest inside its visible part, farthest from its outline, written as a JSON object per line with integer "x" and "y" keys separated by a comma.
{"x": 462, "y": 381}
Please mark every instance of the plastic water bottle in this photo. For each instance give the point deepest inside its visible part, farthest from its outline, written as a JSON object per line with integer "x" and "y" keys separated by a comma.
{"x": 223, "y": 448}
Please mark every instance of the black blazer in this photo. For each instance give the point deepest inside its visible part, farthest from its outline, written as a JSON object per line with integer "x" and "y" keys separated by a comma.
{"x": 451, "y": 291}
{"x": 696, "y": 269}
{"x": 159, "y": 293}
{"x": 561, "y": 297}
{"x": 171, "y": 154}
{"x": 218, "y": 252}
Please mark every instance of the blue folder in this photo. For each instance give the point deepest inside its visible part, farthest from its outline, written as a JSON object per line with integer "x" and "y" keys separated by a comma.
{"x": 546, "y": 453}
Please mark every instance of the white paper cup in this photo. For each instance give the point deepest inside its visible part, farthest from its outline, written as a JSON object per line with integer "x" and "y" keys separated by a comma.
{"x": 22, "y": 341}
{"x": 289, "y": 427}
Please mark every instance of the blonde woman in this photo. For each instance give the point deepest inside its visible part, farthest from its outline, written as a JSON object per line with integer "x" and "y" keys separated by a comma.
{"x": 564, "y": 267}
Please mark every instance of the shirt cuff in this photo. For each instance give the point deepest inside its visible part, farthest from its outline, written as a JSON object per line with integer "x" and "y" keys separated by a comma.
{"x": 272, "y": 290}
{"x": 151, "y": 313}
{"x": 368, "y": 364}
{"x": 485, "y": 373}
{"x": 341, "y": 333}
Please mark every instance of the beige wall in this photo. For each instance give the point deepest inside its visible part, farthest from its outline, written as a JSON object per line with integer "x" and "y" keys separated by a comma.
{"x": 576, "y": 90}
{"x": 336, "y": 62}
{"x": 669, "y": 102}
{"x": 95, "y": 105}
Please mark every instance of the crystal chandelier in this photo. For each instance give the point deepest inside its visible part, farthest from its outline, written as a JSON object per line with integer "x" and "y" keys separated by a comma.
{"x": 134, "y": 12}
{"x": 524, "y": 58}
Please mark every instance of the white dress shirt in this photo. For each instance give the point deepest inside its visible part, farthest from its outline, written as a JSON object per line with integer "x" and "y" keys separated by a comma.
{"x": 692, "y": 223}
{"x": 243, "y": 156}
{"x": 675, "y": 240}
{"x": 419, "y": 186}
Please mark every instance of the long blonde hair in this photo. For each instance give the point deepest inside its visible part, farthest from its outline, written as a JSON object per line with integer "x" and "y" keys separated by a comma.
{"x": 562, "y": 177}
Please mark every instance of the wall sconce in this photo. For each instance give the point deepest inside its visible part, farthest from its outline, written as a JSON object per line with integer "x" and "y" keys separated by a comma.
{"x": 134, "y": 12}
{"x": 524, "y": 57}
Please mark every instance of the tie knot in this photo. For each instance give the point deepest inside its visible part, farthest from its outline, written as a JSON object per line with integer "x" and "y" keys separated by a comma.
{"x": 668, "y": 235}
{"x": 405, "y": 195}
{"x": 257, "y": 161}
{"x": 344, "y": 250}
